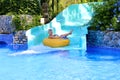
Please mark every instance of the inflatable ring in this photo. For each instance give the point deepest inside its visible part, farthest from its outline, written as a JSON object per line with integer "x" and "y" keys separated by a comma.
{"x": 56, "y": 42}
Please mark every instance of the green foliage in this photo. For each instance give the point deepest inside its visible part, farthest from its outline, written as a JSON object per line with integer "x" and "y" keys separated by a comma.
{"x": 23, "y": 22}
{"x": 105, "y": 17}
{"x": 33, "y": 7}
{"x": 19, "y": 7}
{"x": 114, "y": 22}
{"x": 17, "y": 22}
{"x": 56, "y": 6}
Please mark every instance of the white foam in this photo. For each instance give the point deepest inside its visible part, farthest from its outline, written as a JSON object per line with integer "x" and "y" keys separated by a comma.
{"x": 40, "y": 49}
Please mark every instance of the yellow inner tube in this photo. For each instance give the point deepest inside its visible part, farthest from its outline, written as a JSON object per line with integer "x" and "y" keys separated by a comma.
{"x": 56, "y": 42}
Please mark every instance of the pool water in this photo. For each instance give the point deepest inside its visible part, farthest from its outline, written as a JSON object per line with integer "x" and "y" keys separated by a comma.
{"x": 56, "y": 64}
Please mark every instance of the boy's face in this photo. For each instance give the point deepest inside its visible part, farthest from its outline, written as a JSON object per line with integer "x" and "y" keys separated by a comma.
{"x": 50, "y": 32}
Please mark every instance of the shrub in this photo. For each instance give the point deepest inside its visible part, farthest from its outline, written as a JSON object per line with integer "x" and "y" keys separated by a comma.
{"x": 25, "y": 22}
{"x": 106, "y": 16}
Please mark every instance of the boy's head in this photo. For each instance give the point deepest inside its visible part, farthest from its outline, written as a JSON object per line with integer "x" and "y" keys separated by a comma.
{"x": 50, "y": 31}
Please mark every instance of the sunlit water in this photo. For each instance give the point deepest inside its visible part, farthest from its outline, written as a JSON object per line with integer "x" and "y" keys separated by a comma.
{"x": 58, "y": 64}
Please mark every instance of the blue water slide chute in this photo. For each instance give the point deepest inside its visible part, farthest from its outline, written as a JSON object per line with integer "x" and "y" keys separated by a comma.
{"x": 75, "y": 17}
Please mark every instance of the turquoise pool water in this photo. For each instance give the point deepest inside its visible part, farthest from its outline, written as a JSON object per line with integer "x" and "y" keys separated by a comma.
{"x": 69, "y": 63}
{"x": 59, "y": 64}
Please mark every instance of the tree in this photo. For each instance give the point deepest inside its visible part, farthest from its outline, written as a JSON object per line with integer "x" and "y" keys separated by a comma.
{"x": 106, "y": 16}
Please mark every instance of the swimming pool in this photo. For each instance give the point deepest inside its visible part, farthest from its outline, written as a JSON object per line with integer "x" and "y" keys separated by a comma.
{"x": 95, "y": 64}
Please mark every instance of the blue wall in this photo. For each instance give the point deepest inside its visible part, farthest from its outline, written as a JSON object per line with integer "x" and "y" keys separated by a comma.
{"x": 7, "y": 38}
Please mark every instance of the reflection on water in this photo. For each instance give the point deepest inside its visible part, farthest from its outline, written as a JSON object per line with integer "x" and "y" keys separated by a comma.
{"x": 105, "y": 54}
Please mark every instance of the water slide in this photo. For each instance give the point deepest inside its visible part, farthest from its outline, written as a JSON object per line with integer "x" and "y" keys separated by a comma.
{"x": 75, "y": 17}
